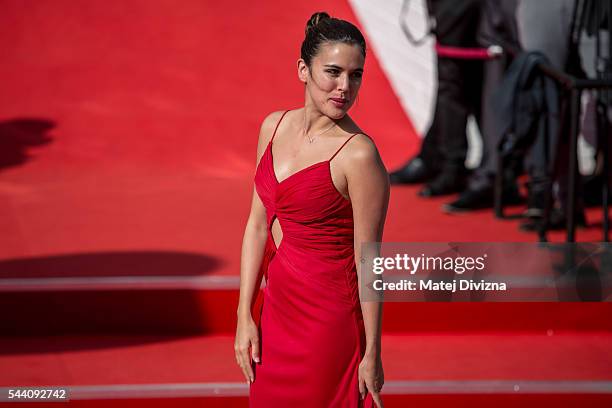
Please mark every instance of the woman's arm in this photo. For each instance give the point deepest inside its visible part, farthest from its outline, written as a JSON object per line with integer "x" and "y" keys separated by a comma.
{"x": 368, "y": 185}
{"x": 253, "y": 245}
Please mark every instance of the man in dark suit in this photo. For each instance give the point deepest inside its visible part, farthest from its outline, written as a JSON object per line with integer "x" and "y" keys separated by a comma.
{"x": 441, "y": 161}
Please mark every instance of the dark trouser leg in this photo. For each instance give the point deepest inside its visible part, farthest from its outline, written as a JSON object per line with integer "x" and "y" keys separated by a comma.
{"x": 454, "y": 110}
{"x": 456, "y": 24}
{"x": 430, "y": 152}
{"x": 458, "y": 96}
{"x": 483, "y": 176}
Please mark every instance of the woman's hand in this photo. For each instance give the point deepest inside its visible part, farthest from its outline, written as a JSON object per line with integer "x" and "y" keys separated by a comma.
{"x": 371, "y": 378}
{"x": 247, "y": 337}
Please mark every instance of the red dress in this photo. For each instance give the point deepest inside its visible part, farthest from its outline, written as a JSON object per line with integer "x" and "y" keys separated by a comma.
{"x": 311, "y": 328}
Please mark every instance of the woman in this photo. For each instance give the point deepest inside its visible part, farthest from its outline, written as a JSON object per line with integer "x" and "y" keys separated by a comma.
{"x": 317, "y": 198}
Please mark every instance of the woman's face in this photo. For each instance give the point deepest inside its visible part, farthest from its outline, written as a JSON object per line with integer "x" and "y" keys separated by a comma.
{"x": 334, "y": 77}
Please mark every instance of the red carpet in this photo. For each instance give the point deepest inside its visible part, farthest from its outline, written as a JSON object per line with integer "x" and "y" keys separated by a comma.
{"x": 95, "y": 360}
{"x": 125, "y": 124}
{"x": 174, "y": 367}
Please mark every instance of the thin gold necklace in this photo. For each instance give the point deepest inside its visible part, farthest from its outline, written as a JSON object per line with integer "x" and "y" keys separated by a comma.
{"x": 311, "y": 139}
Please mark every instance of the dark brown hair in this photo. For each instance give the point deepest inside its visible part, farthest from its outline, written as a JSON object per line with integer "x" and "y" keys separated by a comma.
{"x": 322, "y": 28}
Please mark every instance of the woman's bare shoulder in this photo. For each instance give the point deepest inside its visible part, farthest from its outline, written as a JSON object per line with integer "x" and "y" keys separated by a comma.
{"x": 266, "y": 130}
{"x": 362, "y": 149}
{"x": 364, "y": 168}
{"x": 268, "y": 125}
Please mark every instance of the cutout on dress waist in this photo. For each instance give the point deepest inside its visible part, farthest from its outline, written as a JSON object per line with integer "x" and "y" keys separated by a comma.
{"x": 275, "y": 230}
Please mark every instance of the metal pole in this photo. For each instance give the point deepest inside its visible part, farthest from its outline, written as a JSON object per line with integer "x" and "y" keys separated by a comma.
{"x": 602, "y": 65}
{"x": 573, "y": 164}
{"x": 603, "y": 132}
{"x": 499, "y": 186}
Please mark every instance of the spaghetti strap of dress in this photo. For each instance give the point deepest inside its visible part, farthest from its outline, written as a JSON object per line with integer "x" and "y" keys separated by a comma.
{"x": 278, "y": 123}
{"x": 343, "y": 144}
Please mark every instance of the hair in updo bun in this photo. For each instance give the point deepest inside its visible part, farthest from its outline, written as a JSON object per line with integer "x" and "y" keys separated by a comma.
{"x": 322, "y": 28}
{"x": 314, "y": 20}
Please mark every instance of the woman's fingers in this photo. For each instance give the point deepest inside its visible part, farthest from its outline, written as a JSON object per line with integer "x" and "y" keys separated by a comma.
{"x": 255, "y": 349}
{"x": 374, "y": 386}
{"x": 242, "y": 357}
{"x": 362, "y": 387}
{"x": 246, "y": 359}
{"x": 241, "y": 365}
{"x": 377, "y": 399}
{"x": 246, "y": 346}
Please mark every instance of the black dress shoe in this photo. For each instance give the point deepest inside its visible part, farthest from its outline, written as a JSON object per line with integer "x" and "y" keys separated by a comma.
{"x": 477, "y": 199}
{"x": 445, "y": 183}
{"x": 415, "y": 171}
